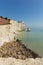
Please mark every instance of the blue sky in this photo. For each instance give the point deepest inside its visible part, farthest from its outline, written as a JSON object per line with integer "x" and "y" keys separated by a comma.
{"x": 29, "y": 11}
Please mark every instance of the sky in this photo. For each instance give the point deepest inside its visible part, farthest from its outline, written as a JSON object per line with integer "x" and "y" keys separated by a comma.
{"x": 29, "y": 11}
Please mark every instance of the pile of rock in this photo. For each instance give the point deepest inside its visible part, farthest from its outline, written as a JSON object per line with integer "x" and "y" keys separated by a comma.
{"x": 16, "y": 50}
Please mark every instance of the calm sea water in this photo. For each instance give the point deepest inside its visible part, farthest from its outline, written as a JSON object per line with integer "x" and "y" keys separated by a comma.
{"x": 33, "y": 40}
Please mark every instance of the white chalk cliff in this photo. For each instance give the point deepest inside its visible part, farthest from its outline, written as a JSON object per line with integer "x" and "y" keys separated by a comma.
{"x": 7, "y": 31}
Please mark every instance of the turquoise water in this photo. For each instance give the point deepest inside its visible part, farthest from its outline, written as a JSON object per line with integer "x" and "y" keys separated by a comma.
{"x": 33, "y": 40}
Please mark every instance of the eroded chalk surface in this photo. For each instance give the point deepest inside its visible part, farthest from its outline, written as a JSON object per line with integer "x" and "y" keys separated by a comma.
{"x": 13, "y": 61}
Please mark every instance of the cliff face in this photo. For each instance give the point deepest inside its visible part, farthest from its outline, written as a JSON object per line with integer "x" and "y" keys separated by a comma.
{"x": 7, "y": 29}
{"x": 6, "y": 34}
{"x": 18, "y": 26}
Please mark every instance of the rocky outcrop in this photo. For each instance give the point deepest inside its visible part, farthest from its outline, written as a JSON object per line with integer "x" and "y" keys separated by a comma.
{"x": 16, "y": 50}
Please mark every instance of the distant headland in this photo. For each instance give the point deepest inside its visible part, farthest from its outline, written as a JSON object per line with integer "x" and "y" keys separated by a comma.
{"x": 18, "y": 25}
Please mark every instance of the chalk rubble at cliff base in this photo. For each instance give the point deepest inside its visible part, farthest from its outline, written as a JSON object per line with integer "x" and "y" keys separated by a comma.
{"x": 16, "y": 50}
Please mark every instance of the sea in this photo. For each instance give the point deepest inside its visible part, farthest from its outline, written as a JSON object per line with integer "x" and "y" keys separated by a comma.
{"x": 33, "y": 40}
